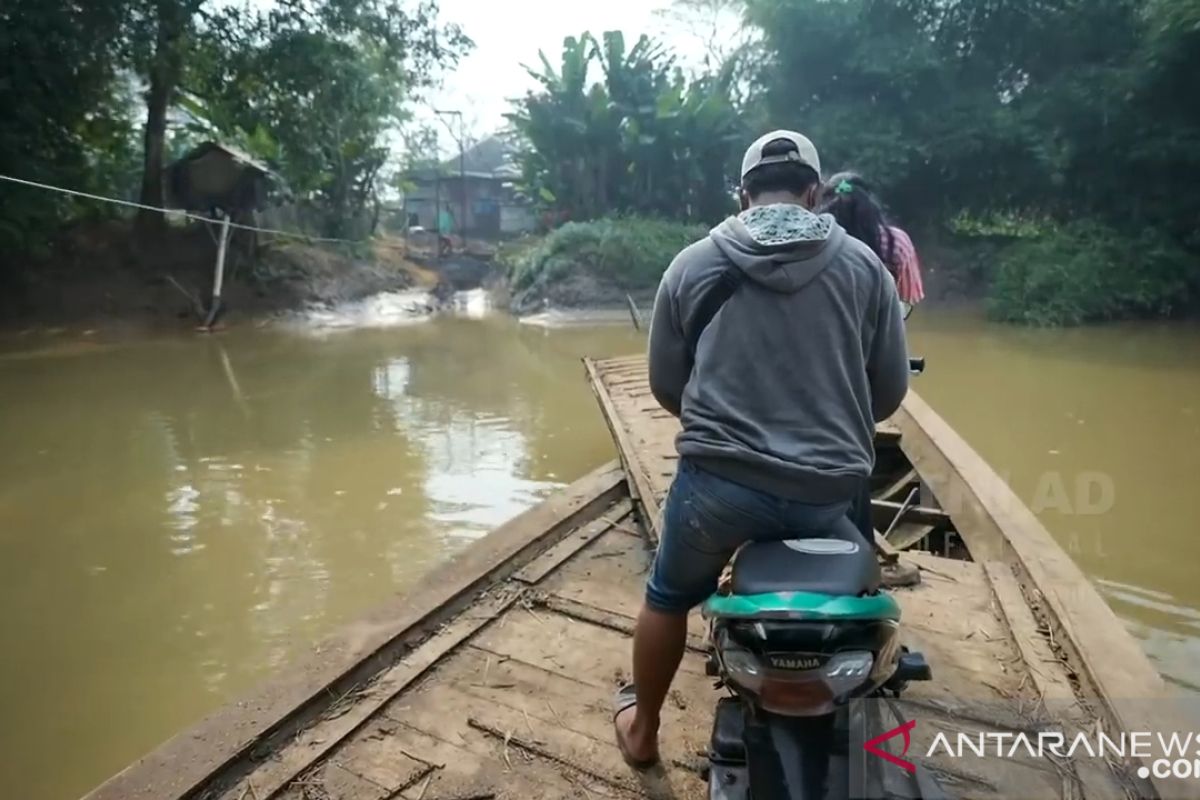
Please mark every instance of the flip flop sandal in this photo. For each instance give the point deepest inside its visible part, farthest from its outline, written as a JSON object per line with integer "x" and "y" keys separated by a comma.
{"x": 626, "y": 698}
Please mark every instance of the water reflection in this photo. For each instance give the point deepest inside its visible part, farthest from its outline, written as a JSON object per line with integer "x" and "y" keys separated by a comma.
{"x": 474, "y": 460}
{"x": 385, "y": 310}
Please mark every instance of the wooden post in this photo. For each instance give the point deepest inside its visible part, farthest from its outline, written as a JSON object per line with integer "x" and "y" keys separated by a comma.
{"x": 633, "y": 312}
{"x": 218, "y": 273}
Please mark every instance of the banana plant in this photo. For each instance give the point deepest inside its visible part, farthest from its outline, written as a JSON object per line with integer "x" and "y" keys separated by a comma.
{"x": 638, "y": 138}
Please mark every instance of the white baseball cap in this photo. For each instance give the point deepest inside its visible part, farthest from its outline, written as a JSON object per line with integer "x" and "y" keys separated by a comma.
{"x": 802, "y": 152}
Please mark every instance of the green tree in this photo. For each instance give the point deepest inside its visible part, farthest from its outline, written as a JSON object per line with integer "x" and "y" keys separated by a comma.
{"x": 316, "y": 89}
{"x": 1066, "y": 110}
{"x": 158, "y": 36}
{"x": 65, "y": 119}
{"x": 640, "y": 138}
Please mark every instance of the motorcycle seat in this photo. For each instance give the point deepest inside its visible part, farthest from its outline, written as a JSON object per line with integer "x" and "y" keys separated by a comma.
{"x": 834, "y": 562}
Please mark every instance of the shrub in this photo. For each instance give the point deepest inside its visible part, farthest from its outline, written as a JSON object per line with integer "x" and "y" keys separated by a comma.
{"x": 1009, "y": 225}
{"x": 1086, "y": 272}
{"x": 631, "y": 252}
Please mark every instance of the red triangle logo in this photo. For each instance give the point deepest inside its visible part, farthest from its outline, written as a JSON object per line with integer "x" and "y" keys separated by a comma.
{"x": 873, "y": 746}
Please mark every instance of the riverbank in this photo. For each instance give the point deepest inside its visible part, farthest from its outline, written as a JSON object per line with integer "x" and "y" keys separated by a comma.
{"x": 600, "y": 264}
{"x": 98, "y": 276}
{"x": 1038, "y": 275}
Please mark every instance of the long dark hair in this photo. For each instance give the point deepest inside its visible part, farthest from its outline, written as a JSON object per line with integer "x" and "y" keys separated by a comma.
{"x": 849, "y": 198}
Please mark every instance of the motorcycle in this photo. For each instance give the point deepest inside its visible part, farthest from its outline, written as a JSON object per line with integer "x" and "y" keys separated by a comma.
{"x": 799, "y": 629}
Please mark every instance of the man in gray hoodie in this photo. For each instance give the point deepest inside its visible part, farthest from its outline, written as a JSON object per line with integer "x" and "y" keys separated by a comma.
{"x": 779, "y": 342}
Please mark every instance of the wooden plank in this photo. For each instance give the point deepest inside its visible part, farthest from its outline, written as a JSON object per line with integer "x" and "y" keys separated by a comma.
{"x": 337, "y": 783}
{"x": 610, "y": 576}
{"x": 639, "y": 487}
{"x": 598, "y": 591}
{"x": 572, "y": 543}
{"x": 897, "y": 486}
{"x": 1019, "y": 776}
{"x": 569, "y": 752}
{"x": 587, "y": 653}
{"x": 548, "y": 703}
{"x": 290, "y": 759}
{"x": 1049, "y": 678}
{"x": 1050, "y": 683}
{"x": 908, "y": 534}
{"x": 884, "y": 511}
{"x": 603, "y": 618}
{"x": 379, "y": 757}
{"x": 289, "y": 702}
{"x": 996, "y": 525}
{"x": 433, "y": 727}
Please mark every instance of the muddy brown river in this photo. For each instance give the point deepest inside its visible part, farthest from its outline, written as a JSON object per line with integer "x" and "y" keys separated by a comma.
{"x": 181, "y": 515}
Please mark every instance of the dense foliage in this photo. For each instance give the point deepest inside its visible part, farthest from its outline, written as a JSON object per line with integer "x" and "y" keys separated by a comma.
{"x": 315, "y": 91}
{"x": 1071, "y": 110}
{"x": 639, "y": 138}
{"x": 65, "y": 117}
{"x": 1086, "y": 272}
{"x": 1073, "y": 115}
{"x": 1065, "y": 106}
{"x": 312, "y": 86}
{"x": 630, "y": 252}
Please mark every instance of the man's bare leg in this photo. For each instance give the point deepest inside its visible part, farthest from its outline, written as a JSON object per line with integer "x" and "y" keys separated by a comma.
{"x": 658, "y": 644}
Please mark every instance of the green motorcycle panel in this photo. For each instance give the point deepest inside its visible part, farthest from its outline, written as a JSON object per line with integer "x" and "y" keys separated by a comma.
{"x": 802, "y": 606}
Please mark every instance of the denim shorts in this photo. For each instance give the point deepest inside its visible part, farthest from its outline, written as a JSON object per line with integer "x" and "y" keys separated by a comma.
{"x": 705, "y": 519}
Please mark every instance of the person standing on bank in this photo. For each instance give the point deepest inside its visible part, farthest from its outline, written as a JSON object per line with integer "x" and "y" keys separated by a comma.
{"x": 445, "y": 225}
{"x": 778, "y": 340}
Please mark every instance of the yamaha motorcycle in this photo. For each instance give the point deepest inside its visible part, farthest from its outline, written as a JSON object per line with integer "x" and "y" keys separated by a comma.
{"x": 799, "y": 630}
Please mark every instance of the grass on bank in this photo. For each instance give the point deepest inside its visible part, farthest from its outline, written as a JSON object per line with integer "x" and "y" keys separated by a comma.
{"x": 631, "y": 252}
{"x": 1084, "y": 272}
{"x": 1031, "y": 271}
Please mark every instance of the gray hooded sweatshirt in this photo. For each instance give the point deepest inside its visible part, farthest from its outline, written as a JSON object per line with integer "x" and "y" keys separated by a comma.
{"x": 792, "y": 373}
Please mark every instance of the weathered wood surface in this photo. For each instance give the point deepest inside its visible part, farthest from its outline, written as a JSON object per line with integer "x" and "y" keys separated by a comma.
{"x": 518, "y": 707}
{"x": 642, "y": 473}
{"x": 516, "y": 699}
{"x": 969, "y": 636}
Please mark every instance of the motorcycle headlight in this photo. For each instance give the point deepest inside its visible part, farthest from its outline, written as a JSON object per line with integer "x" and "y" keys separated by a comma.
{"x": 743, "y": 668}
{"x": 845, "y": 672}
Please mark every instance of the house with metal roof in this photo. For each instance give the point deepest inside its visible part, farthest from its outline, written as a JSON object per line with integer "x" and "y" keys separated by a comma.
{"x": 475, "y": 191}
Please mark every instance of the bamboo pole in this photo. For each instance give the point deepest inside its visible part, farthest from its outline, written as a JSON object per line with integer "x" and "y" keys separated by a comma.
{"x": 218, "y": 273}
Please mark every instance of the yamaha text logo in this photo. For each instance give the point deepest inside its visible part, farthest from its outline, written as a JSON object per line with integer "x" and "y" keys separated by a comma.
{"x": 794, "y": 661}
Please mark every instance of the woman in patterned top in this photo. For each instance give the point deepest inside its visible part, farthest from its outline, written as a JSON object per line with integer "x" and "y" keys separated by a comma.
{"x": 848, "y": 197}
